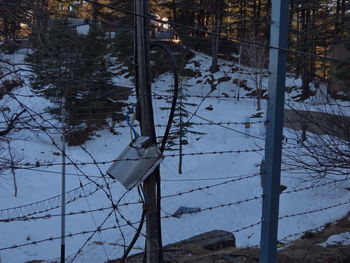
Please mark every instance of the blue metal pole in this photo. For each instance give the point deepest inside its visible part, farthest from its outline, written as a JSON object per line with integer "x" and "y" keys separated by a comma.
{"x": 274, "y": 130}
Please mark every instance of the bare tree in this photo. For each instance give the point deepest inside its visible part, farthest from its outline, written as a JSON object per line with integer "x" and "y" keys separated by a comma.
{"x": 256, "y": 57}
{"x": 323, "y": 135}
{"x": 9, "y": 118}
{"x": 8, "y": 157}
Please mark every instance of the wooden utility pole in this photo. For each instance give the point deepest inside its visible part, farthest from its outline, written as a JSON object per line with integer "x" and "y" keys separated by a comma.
{"x": 63, "y": 198}
{"x": 143, "y": 87}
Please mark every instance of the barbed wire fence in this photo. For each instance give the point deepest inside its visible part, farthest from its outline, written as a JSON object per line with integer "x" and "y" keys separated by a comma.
{"x": 39, "y": 210}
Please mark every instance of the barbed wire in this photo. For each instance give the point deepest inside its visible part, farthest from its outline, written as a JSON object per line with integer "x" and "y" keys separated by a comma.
{"x": 105, "y": 229}
{"x": 259, "y": 222}
{"x": 156, "y": 125}
{"x": 210, "y": 121}
{"x": 30, "y": 217}
{"x": 46, "y": 205}
{"x": 107, "y": 191}
{"x": 66, "y": 236}
{"x": 127, "y": 224}
{"x": 99, "y": 229}
{"x": 28, "y": 117}
{"x": 314, "y": 211}
{"x": 315, "y": 186}
{"x": 225, "y": 127}
{"x": 164, "y": 180}
{"x": 300, "y": 233}
{"x": 319, "y": 103}
{"x": 49, "y": 164}
{"x": 205, "y": 153}
{"x": 211, "y": 186}
{"x": 280, "y": 218}
{"x": 30, "y": 166}
{"x": 213, "y": 207}
{"x": 210, "y": 208}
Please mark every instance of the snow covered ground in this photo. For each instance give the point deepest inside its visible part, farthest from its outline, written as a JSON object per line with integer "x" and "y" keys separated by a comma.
{"x": 340, "y": 239}
{"x": 231, "y": 174}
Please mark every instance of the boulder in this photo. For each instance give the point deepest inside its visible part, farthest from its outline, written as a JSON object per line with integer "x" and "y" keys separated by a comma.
{"x": 216, "y": 239}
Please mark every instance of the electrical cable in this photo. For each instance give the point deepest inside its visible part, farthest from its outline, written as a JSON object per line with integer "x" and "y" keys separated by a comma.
{"x": 139, "y": 229}
{"x": 165, "y": 137}
{"x": 130, "y": 123}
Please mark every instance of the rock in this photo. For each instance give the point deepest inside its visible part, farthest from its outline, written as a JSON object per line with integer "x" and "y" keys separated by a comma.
{"x": 210, "y": 108}
{"x": 224, "y": 79}
{"x": 184, "y": 142}
{"x": 216, "y": 239}
{"x": 282, "y": 188}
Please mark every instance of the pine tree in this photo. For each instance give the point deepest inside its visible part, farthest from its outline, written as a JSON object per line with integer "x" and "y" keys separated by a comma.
{"x": 182, "y": 126}
{"x": 123, "y": 47}
{"x": 76, "y": 67}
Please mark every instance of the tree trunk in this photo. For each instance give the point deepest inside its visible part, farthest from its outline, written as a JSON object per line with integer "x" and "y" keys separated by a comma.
{"x": 305, "y": 72}
{"x": 215, "y": 42}
{"x": 257, "y": 11}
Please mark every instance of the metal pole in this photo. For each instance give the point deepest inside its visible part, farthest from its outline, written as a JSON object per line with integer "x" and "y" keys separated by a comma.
{"x": 147, "y": 129}
{"x": 274, "y": 130}
{"x": 63, "y": 200}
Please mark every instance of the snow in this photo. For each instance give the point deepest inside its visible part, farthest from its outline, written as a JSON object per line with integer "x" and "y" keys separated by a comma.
{"x": 199, "y": 171}
{"x": 339, "y": 239}
{"x": 83, "y": 29}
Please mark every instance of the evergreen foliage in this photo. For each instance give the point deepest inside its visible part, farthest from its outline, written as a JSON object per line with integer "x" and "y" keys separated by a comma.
{"x": 181, "y": 126}
{"x": 123, "y": 47}
{"x": 76, "y": 67}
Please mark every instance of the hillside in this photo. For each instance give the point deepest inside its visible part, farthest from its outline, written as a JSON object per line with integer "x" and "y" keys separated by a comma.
{"x": 220, "y": 178}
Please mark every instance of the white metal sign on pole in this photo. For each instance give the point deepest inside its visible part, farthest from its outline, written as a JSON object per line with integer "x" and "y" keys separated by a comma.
{"x": 136, "y": 162}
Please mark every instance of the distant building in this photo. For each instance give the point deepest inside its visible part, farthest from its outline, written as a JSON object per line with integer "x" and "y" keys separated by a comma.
{"x": 161, "y": 31}
{"x": 73, "y": 22}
